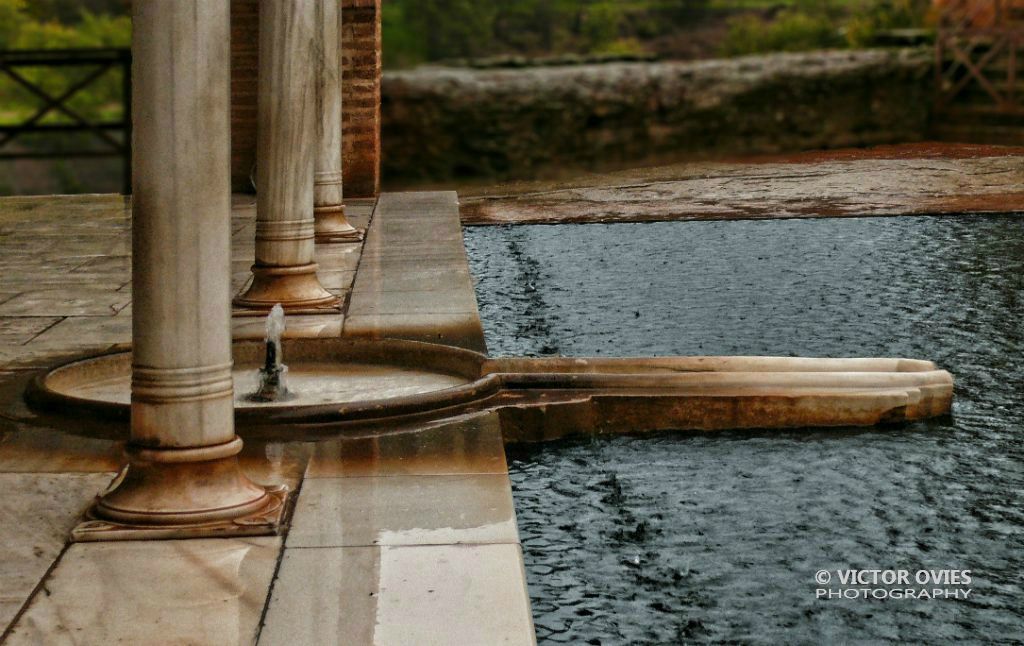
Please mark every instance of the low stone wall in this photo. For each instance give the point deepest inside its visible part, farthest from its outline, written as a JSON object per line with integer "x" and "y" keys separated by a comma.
{"x": 442, "y": 123}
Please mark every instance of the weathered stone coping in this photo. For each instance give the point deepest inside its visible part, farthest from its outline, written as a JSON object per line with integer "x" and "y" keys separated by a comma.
{"x": 891, "y": 181}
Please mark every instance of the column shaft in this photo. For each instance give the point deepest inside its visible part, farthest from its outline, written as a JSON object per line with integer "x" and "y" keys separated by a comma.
{"x": 183, "y": 466}
{"x": 284, "y": 271}
{"x": 328, "y": 197}
{"x": 181, "y": 237}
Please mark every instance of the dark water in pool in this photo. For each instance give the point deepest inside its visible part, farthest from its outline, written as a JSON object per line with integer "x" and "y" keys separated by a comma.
{"x": 693, "y": 537}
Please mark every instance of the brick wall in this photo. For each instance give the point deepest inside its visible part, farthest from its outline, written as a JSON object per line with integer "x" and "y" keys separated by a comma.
{"x": 244, "y": 57}
{"x": 361, "y": 75}
{"x": 361, "y": 71}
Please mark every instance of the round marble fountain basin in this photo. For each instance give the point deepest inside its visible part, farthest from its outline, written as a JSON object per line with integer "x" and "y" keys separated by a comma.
{"x": 308, "y": 384}
{"x": 330, "y": 381}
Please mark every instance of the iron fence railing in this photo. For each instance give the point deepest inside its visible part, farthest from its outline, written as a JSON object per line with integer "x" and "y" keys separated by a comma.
{"x": 104, "y": 142}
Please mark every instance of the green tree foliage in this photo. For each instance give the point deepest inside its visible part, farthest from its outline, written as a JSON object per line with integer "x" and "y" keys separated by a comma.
{"x": 22, "y": 28}
{"x": 69, "y": 11}
{"x": 790, "y": 31}
{"x": 870, "y": 18}
{"x": 819, "y": 24}
{"x": 418, "y": 31}
{"x": 422, "y": 30}
{"x": 12, "y": 17}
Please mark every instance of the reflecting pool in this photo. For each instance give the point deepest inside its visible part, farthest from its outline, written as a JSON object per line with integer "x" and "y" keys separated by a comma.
{"x": 710, "y": 537}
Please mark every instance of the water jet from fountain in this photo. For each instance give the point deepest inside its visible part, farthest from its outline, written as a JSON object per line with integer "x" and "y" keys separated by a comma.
{"x": 272, "y": 382}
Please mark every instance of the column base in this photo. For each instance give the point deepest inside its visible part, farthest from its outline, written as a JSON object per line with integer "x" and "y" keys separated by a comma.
{"x": 333, "y": 226}
{"x": 297, "y": 289}
{"x": 183, "y": 493}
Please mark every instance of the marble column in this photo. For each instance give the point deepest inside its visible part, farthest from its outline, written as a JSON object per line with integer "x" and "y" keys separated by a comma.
{"x": 182, "y": 456}
{"x": 329, "y": 210}
{"x": 284, "y": 271}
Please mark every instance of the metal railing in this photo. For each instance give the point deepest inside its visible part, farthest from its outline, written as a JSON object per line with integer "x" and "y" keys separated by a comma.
{"x": 104, "y": 143}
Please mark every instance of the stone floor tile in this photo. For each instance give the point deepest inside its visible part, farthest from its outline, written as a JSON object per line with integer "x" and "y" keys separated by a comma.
{"x": 407, "y": 230}
{"x": 153, "y": 592}
{"x": 461, "y": 329}
{"x": 370, "y": 303}
{"x": 96, "y": 329}
{"x": 38, "y": 355}
{"x": 413, "y": 255}
{"x": 324, "y": 596}
{"x": 112, "y": 264}
{"x": 275, "y": 463}
{"x": 421, "y": 278}
{"x": 240, "y": 281}
{"x": 66, "y": 302}
{"x": 336, "y": 278}
{"x": 35, "y": 450}
{"x": 38, "y": 512}
{"x": 17, "y": 330}
{"x": 337, "y": 258}
{"x": 469, "y": 445}
{"x": 404, "y": 510}
{"x": 395, "y": 596}
{"x": 30, "y": 279}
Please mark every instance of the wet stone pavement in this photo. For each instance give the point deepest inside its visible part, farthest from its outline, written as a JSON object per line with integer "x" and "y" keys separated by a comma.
{"x": 406, "y": 538}
{"x": 717, "y": 537}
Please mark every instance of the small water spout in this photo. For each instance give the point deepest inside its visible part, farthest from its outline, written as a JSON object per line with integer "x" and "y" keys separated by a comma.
{"x": 273, "y": 385}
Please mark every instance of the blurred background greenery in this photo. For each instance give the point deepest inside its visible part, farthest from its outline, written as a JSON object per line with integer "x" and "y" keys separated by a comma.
{"x": 416, "y": 32}
{"x": 427, "y": 31}
{"x": 63, "y": 24}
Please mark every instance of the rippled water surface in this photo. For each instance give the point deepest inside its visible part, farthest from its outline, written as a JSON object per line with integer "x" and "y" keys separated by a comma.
{"x": 710, "y": 537}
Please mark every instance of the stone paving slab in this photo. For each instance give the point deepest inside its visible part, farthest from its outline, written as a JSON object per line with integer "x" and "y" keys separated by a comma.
{"x": 35, "y": 450}
{"x": 32, "y": 356}
{"x": 413, "y": 280}
{"x": 21, "y": 330}
{"x": 404, "y": 510}
{"x": 38, "y": 512}
{"x": 460, "y": 329}
{"x": 392, "y": 534}
{"x": 469, "y": 445}
{"x": 49, "y": 479}
{"x": 153, "y": 592}
{"x": 97, "y": 329}
{"x": 418, "y": 595}
{"x": 74, "y": 301}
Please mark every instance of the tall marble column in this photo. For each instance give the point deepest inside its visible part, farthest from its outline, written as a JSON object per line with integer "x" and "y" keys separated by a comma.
{"x": 329, "y": 210}
{"x": 183, "y": 469}
{"x": 284, "y": 271}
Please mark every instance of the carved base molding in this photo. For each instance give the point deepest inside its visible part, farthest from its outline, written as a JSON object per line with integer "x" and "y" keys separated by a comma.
{"x": 265, "y": 521}
{"x": 297, "y": 289}
{"x": 332, "y": 225}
